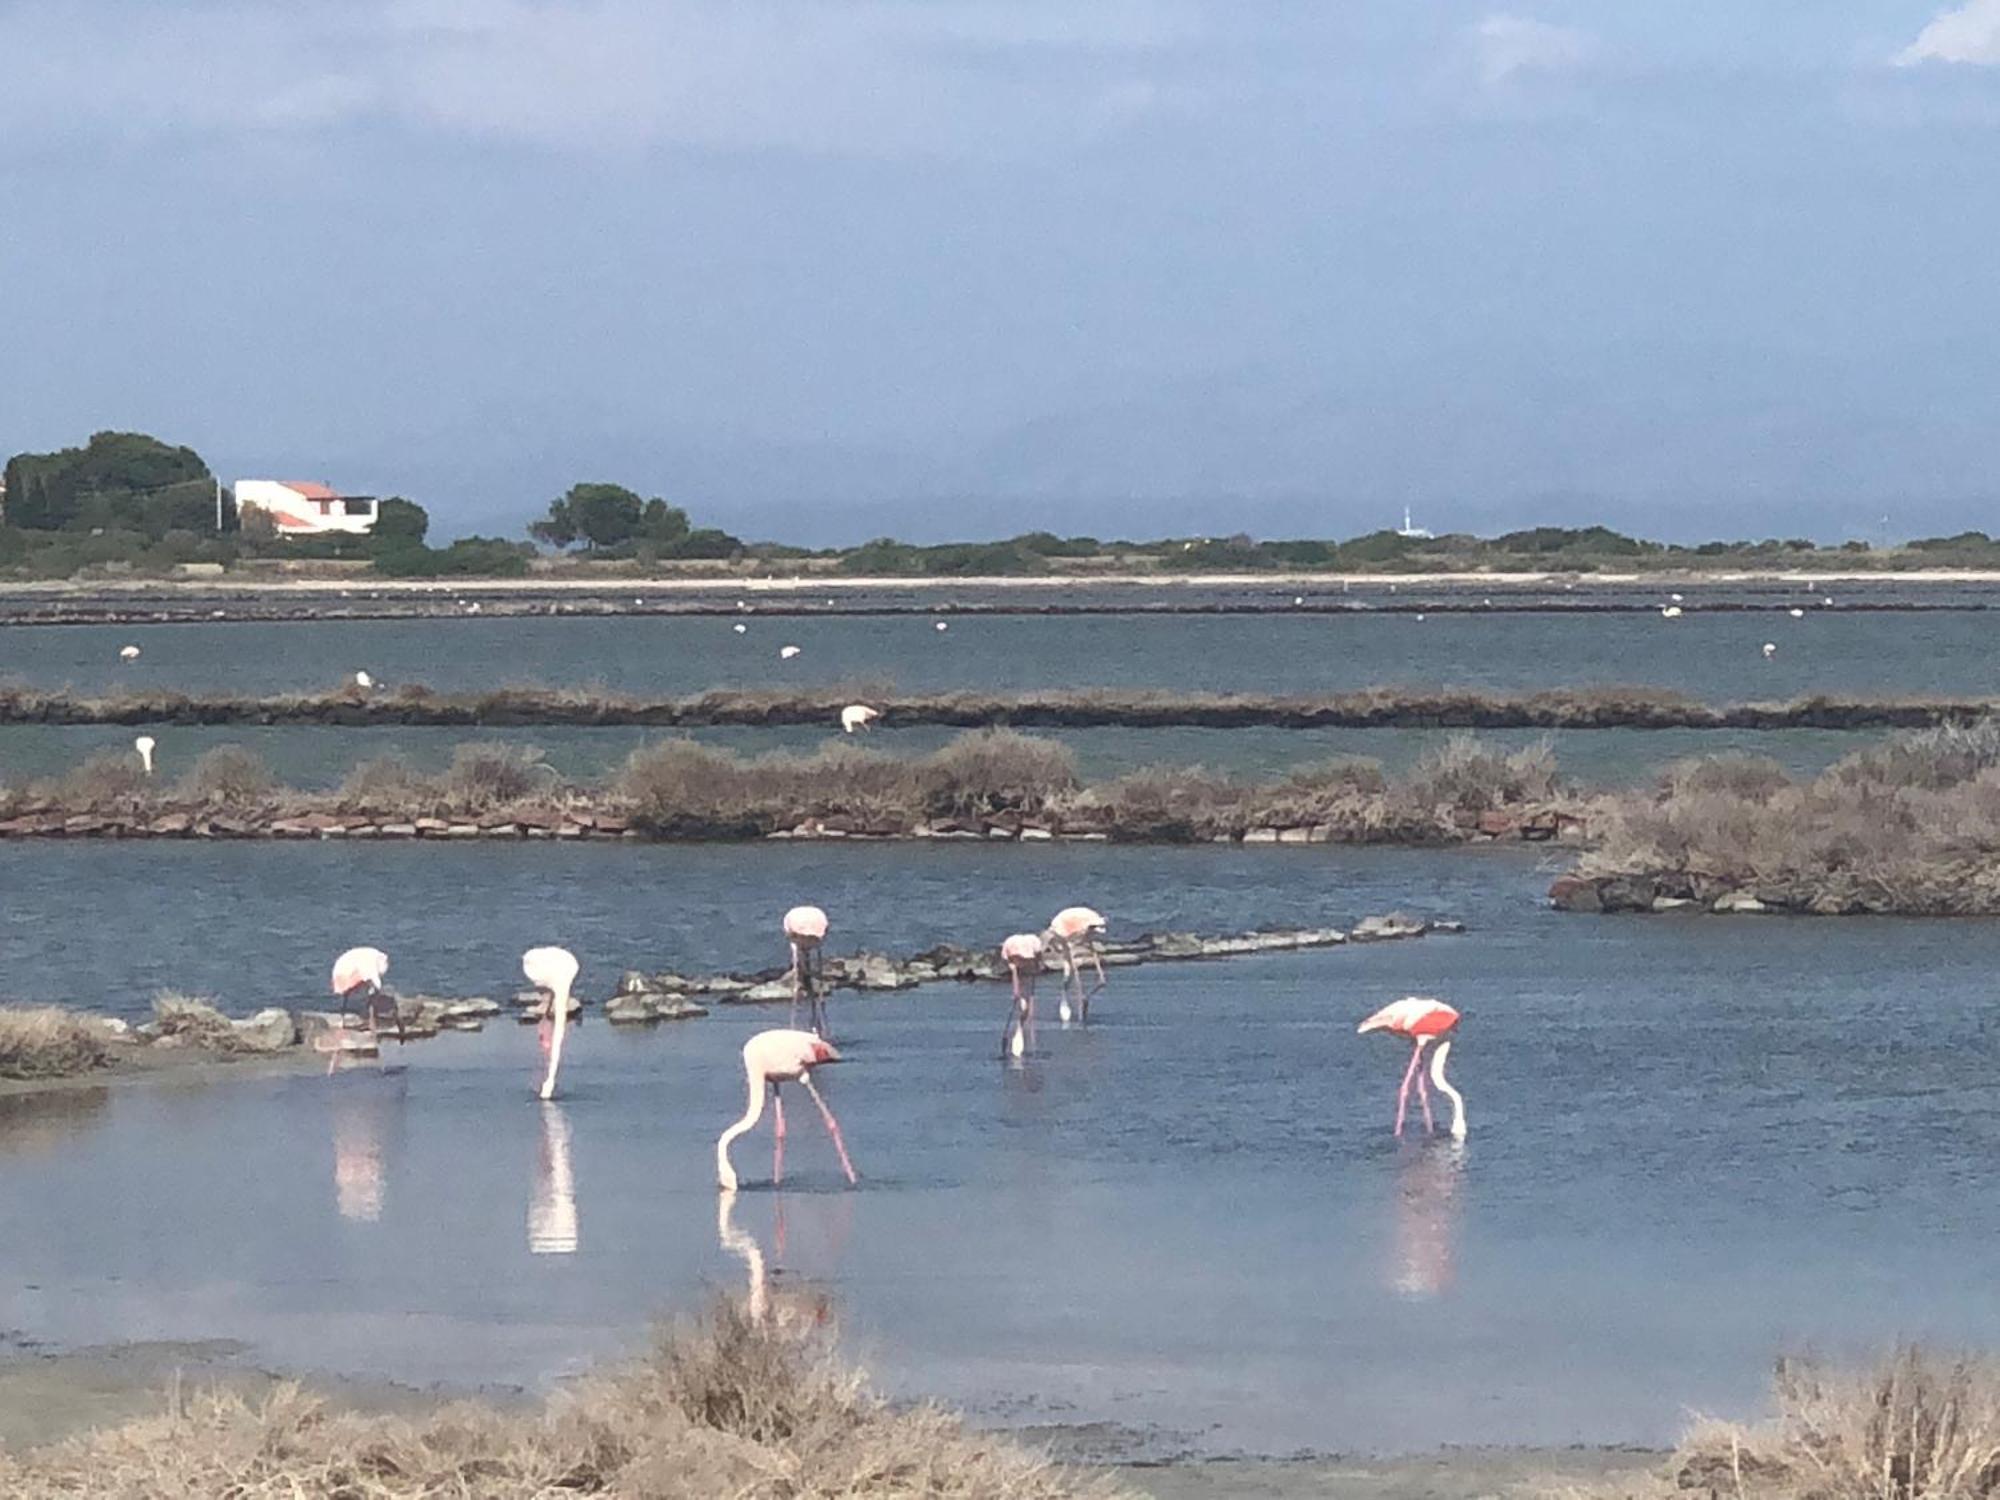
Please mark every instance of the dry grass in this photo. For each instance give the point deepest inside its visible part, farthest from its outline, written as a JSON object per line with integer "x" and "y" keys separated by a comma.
{"x": 106, "y": 782}
{"x": 721, "y": 1410}
{"x": 1918, "y": 1426}
{"x": 48, "y": 1041}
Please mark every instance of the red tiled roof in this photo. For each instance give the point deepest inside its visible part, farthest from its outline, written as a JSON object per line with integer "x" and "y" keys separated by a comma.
{"x": 312, "y": 491}
{"x": 283, "y": 519}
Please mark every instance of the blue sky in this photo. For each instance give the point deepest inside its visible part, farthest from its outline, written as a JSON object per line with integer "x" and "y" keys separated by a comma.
{"x": 832, "y": 268}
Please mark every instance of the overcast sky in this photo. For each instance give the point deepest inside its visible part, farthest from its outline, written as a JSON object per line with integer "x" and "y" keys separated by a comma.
{"x": 825, "y": 269}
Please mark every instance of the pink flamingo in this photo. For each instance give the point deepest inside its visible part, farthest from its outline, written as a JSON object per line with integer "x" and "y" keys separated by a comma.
{"x": 1074, "y": 931}
{"x": 805, "y": 929}
{"x": 771, "y": 1058}
{"x": 1022, "y": 953}
{"x": 1423, "y": 1021}
{"x": 552, "y": 971}
{"x": 361, "y": 972}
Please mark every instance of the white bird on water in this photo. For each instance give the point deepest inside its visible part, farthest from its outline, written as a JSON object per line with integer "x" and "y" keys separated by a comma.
{"x": 129, "y": 653}
{"x": 858, "y": 716}
{"x": 1770, "y": 649}
{"x": 942, "y": 626}
{"x": 1797, "y": 614}
{"x": 144, "y": 745}
{"x": 740, "y": 629}
{"x": 1675, "y": 597}
{"x": 1671, "y": 612}
{"x": 363, "y": 681}
{"x": 786, "y": 653}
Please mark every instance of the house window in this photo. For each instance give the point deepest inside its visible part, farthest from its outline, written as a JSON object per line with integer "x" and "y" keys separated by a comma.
{"x": 325, "y": 507}
{"x": 360, "y": 507}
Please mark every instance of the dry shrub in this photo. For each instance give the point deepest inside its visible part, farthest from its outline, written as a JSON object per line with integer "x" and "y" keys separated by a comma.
{"x": 1754, "y": 778}
{"x": 725, "y": 1407}
{"x": 1164, "y": 802}
{"x": 230, "y": 777}
{"x": 47, "y": 1041}
{"x": 1917, "y": 1427}
{"x": 1469, "y": 776}
{"x": 995, "y": 771}
{"x": 107, "y": 782}
{"x": 679, "y": 786}
{"x": 483, "y": 777}
{"x": 387, "y": 782}
{"x": 1929, "y": 759}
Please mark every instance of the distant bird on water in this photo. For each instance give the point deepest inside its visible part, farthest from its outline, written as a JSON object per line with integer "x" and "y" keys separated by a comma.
{"x": 1770, "y": 649}
{"x": 786, "y": 653}
{"x": 942, "y": 626}
{"x": 740, "y": 629}
{"x": 144, "y": 745}
{"x": 857, "y": 716}
{"x": 552, "y": 971}
{"x": 1796, "y": 614}
{"x": 363, "y": 681}
{"x": 771, "y": 1058}
{"x": 1022, "y": 953}
{"x": 1074, "y": 931}
{"x": 1671, "y": 612}
{"x": 805, "y": 929}
{"x": 1423, "y": 1021}
{"x": 128, "y": 653}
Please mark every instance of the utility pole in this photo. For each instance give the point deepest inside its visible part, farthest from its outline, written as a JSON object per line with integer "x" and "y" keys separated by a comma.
{"x": 218, "y": 506}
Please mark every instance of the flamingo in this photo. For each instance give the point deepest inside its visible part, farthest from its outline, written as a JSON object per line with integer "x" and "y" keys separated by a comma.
{"x": 942, "y": 626}
{"x": 1796, "y": 613}
{"x": 1423, "y": 1021}
{"x": 1671, "y": 612}
{"x": 740, "y": 629}
{"x": 144, "y": 745}
{"x": 128, "y": 653}
{"x": 361, "y": 971}
{"x": 1770, "y": 649}
{"x": 786, "y": 653}
{"x": 805, "y": 930}
{"x": 1022, "y": 953}
{"x": 771, "y": 1058}
{"x": 552, "y": 971}
{"x": 363, "y": 681}
{"x": 1074, "y": 931}
{"x": 858, "y": 716}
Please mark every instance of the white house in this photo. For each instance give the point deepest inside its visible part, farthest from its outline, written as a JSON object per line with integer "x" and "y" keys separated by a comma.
{"x": 300, "y": 508}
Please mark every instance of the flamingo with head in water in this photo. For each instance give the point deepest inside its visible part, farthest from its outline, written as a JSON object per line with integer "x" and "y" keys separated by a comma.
{"x": 805, "y": 929}
{"x": 1425, "y": 1022}
{"x": 144, "y": 745}
{"x": 1074, "y": 931}
{"x": 770, "y": 1059}
{"x": 552, "y": 971}
{"x": 858, "y": 716}
{"x": 1022, "y": 954}
{"x": 360, "y": 973}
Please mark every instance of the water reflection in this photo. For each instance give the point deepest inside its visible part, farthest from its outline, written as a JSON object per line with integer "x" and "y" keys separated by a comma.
{"x": 794, "y": 1308}
{"x": 31, "y": 1124}
{"x": 363, "y": 1120}
{"x": 1428, "y": 1182}
{"x": 552, "y": 1223}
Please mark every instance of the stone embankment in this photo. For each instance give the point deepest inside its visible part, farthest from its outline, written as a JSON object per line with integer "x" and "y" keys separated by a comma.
{"x": 195, "y": 1026}
{"x": 165, "y": 821}
{"x": 1691, "y": 893}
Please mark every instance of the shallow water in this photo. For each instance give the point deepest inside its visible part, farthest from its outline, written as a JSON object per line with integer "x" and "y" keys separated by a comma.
{"x": 315, "y": 758}
{"x": 1712, "y": 655}
{"x": 1694, "y": 1142}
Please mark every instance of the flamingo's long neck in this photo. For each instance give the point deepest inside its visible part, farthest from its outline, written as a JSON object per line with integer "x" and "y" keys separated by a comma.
{"x": 1445, "y": 1088}
{"x": 725, "y": 1174}
{"x": 558, "y": 1023}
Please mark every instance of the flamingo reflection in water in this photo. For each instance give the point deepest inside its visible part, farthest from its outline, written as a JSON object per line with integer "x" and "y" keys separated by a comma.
{"x": 552, "y": 1222}
{"x": 361, "y": 1148}
{"x": 1429, "y": 1179}
{"x": 799, "y": 1310}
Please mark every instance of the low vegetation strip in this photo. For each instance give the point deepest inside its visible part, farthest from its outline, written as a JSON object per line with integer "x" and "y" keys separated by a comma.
{"x": 1369, "y": 708}
{"x": 1910, "y": 826}
{"x": 992, "y": 783}
{"x": 756, "y": 1408}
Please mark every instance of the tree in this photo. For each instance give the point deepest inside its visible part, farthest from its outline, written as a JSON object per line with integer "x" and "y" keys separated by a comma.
{"x": 400, "y": 523}
{"x": 601, "y": 515}
{"x": 117, "y": 479}
{"x": 662, "y": 523}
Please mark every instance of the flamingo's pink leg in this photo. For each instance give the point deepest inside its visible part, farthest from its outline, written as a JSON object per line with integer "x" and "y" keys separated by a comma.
{"x": 777, "y": 1136}
{"x": 1403, "y": 1093}
{"x": 1424, "y": 1095}
{"x": 832, "y": 1126}
{"x": 797, "y": 988}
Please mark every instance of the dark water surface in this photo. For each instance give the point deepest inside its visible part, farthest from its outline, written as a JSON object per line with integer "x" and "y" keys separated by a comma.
{"x": 1713, "y": 655}
{"x": 1693, "y": 1143}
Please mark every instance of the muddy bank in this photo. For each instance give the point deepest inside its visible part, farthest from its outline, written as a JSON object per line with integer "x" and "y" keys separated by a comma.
{"x": 1450, "y": 1474}
{"x": 413, "y": 705}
